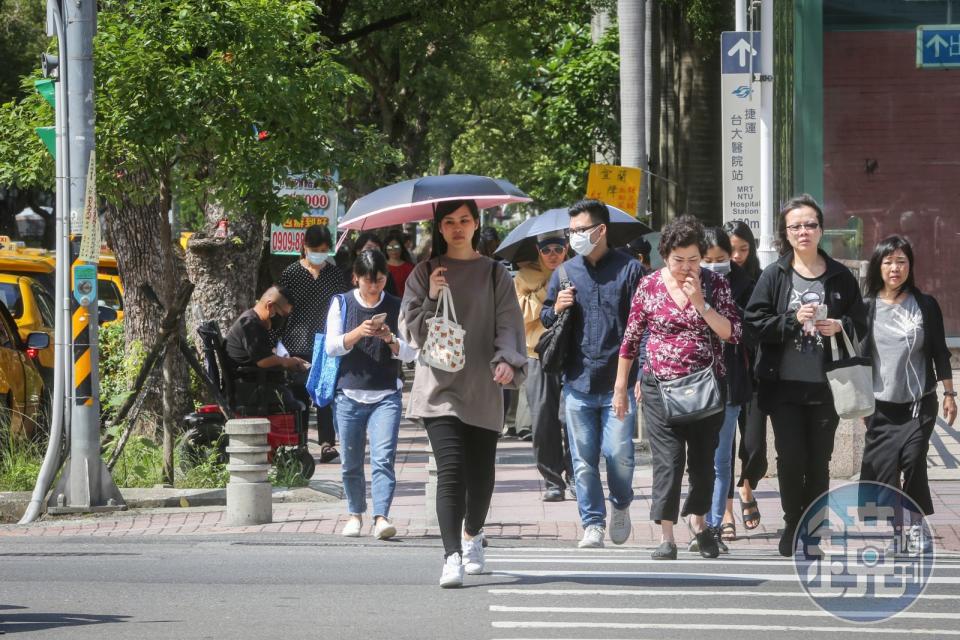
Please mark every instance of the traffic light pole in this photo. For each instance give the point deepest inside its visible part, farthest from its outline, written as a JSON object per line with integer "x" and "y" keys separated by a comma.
{"x": 86, "y": 485}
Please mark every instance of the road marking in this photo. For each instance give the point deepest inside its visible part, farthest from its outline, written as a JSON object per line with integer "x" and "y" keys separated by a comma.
{"x": 804, "y": 613}
{"x": 504, "y": 624}
{"x": 677, "y": 592}
{"x": 643, "y": 575}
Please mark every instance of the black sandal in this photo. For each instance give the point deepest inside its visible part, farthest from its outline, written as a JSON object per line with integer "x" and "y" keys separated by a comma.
{"x": 728, "y": 531}
{"x": 750, "y": 513}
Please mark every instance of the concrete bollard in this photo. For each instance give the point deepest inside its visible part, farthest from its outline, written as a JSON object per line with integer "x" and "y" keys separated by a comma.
{"x": 249, "y": 494}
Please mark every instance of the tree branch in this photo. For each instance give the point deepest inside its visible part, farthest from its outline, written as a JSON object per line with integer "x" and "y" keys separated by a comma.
{"x": 373, "y": 27}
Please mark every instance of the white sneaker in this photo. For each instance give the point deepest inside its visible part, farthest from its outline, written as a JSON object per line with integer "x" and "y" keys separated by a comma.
{"x": 384, "y": 529}
{"x": 473, "y": 561}
{"x": 353, "y": 527}
{"x": 620, "y": 525}
{"x": 592, "y": 537}
{"x": 917, "y": 542}
{"x": 452, "y": 575}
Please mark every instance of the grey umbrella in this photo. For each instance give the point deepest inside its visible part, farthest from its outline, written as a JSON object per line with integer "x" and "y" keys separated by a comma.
{"x": 413, "y": 200}
{"x": 521, "y": 243}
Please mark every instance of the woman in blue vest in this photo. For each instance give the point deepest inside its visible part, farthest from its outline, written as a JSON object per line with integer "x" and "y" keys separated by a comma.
{"x": 369, "y": 388}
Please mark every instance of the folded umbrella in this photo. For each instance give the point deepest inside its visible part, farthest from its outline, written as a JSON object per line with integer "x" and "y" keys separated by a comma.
{"x": 415, "y": 200}
{"x": 521, "y": 243}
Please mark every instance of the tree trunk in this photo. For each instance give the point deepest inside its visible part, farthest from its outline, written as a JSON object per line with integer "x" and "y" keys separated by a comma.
{"x": 224, "y": 270}
{"x": 136, "y": 231}
{"x": 689, "y": 145}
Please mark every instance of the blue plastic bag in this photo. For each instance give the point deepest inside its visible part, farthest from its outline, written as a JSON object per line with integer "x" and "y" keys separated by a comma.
{"x": 322, "y": 381}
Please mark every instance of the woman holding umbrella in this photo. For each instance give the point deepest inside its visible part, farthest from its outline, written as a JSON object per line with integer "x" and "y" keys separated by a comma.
{"x": 463, "y": 411}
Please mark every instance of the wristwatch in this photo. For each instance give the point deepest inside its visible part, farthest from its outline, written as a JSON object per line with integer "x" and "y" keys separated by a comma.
{"x": 706, "y": 307}
{"x": 950, "y": 394}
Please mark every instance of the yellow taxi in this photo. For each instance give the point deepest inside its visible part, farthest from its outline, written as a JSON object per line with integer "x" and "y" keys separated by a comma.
{"x": 34, "y": 310}
{"x": 109, "y": 284}
{"x": 23, "y": 401}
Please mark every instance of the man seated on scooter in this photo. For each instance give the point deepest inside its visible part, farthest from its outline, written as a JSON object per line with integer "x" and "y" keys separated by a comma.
{"x": 248, "y": 343}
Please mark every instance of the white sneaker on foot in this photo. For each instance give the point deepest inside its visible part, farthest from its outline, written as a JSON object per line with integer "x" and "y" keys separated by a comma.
{"x": 384, "y": 529}
{"x": 353, "y": 527}
{"x": 452, "y": 575}
{"x": 473, "y": 561}
{"x": 620, "y": 525}
{"x": 592, "y": 537}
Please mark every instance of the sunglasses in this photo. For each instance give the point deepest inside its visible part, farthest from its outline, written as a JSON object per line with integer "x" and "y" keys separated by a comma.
{"x": 809, "y": 226}
{"x": 393, "y": 247}
{"x": 555, "y": 249}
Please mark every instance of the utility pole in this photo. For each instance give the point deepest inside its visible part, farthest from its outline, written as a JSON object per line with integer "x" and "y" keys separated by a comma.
{"x": 86, "y": 485}
{"x": 767, "y": 253}
{"x": 631, "y": 16}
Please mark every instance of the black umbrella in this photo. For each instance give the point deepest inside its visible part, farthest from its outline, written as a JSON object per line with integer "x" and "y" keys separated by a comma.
{"x": 521, "y": 243}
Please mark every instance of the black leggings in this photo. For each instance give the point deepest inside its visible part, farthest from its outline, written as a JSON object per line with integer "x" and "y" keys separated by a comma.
{"x": 466, "y": 457}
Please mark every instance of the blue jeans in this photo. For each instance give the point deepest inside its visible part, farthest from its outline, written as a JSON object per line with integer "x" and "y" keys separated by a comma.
{"x": 356, "y": 421}
{"x": 594, "y": 429}
{"x": 722, "y": 461}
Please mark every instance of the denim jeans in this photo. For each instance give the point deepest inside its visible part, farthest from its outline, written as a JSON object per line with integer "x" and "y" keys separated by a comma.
{"x": 722, "y": 463}
{"x": 594, "y": 429}
{"x": 380, "y": 422}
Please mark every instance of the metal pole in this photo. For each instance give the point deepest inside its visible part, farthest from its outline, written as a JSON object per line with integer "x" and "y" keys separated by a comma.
{"x": 767, "y": 253}
{"x": 741, "y": 13}
{"x": 86, "y": 484}
{"x": 52, "y": 457}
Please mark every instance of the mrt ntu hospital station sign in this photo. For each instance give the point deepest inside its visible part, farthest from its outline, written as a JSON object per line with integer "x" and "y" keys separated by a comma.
{"x": 740, "y": 109}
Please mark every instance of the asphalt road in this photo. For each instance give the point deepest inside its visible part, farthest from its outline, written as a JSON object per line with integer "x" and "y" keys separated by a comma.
{"x": 296, "y": 587}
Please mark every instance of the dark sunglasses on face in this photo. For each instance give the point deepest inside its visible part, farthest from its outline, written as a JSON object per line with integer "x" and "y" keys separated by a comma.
{"x": 552, "y": 248}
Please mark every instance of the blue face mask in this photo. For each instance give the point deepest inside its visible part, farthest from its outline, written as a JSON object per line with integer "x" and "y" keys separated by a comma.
{"x": 316, "y": 258}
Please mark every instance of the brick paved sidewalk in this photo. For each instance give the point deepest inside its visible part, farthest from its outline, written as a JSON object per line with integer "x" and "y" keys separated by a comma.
{"x": 517, "y": 512}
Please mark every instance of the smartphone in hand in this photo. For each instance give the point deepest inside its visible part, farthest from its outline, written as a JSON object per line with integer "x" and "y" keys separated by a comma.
{"x": 378, "y": 320}
{"x": 821, "y": 313}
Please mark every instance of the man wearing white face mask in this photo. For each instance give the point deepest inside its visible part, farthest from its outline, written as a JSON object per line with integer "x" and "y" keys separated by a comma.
{"x": 603, "y": 284}
{"x": 312, "y": 281}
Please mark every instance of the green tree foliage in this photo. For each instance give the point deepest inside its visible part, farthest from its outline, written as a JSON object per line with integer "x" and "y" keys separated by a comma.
{"x": 563, "y": 106}
{"x": 21, "y": 41}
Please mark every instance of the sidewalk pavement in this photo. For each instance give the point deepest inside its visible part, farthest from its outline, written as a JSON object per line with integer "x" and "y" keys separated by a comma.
{"x": 517, "y": 511}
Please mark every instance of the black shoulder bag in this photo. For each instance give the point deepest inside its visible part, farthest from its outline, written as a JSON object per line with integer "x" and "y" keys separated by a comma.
{"x": 554, "y": 344}
{"x": 697, "y": 395}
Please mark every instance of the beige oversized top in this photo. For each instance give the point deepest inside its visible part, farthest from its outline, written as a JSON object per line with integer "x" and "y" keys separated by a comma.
{"x": 494, "y": 333}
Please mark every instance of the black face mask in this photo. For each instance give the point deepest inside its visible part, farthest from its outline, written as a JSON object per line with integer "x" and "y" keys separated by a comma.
{"x": 278, "y": 322}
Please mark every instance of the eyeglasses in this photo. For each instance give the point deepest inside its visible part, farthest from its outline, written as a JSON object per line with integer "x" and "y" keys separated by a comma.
{"x": 555, "y": 249}
{"x": 393, "y": 247}
{"x": 809, "y": 226}
{"x": 583, "y": 229}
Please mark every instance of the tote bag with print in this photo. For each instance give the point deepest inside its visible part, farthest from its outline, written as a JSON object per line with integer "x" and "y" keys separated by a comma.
{"x": 443, "y": 348}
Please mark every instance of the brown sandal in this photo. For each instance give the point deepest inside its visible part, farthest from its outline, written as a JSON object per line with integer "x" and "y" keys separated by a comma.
{"x": 728, "y": 531}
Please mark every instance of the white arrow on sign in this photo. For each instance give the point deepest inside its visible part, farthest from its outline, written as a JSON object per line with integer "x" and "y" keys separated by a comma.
{"x": 743, "y": 48}
{"x": 936, "y": 42}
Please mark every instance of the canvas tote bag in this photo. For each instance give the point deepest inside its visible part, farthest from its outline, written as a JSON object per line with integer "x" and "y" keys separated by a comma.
{"x": 851, "y": 380}
{"x": 443, "y": 348}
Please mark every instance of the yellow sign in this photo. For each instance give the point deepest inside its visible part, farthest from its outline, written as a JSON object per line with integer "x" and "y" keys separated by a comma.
{"x": 617, "y": 186}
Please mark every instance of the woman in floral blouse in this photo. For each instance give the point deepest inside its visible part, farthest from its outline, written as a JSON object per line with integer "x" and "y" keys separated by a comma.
{"x": 687, "y": 333}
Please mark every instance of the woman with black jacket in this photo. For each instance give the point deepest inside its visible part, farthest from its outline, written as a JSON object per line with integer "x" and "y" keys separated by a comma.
{"x": 905, "y": 339}
{"x": 803, "y": 298}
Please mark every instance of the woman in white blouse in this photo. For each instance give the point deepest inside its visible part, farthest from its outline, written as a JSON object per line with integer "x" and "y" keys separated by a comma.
{"x": 361, "y": 328}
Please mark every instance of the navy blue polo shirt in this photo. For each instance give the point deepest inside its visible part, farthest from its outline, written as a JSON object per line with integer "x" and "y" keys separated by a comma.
{"x": 604, "y": 294}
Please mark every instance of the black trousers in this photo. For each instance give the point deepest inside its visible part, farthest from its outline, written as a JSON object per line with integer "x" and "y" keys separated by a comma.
{"x": 466, "y": 457}
{"x": 803, "y": 435}
{"x": 673, "y": 447}
{"x": 753, "y": 444}
{"x": 550, "y": 445}
{"x": 896, "y": 444}
{"x": 325, "y": 431}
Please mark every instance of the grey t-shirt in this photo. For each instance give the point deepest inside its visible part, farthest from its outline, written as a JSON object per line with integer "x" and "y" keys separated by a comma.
{"x": 900, "y": 374}
{"x": 802, "y": 359}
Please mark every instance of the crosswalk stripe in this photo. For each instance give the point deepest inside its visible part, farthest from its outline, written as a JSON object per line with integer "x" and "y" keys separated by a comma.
{"x": 644, "y": 575}
{"x": 615, "y": 592}
{"x": 687, "y": 626}
{"x": 801, "y": 613}
{"x": 723, "y": 561}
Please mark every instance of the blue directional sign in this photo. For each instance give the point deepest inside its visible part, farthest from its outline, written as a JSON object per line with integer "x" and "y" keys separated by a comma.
{"x": 740, "y": 52}
{"x": 938, "y": 46}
